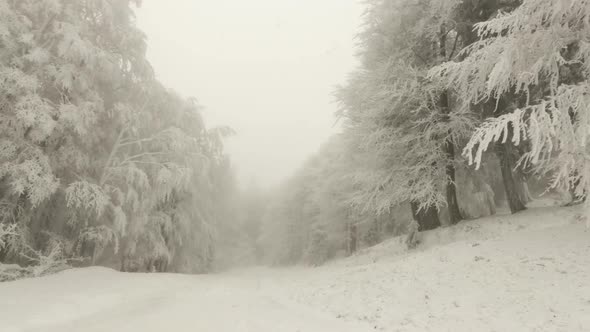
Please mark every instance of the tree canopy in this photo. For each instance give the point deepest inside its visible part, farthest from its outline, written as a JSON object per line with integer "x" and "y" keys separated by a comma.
{"x": 98, "y": 159}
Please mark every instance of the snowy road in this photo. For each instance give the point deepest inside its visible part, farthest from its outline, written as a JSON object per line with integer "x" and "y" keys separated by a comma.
{"x": 529, "y": 272}
{"x": 98, "y": 299}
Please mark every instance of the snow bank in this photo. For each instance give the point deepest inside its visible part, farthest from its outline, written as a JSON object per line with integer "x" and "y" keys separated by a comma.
{"x": 528, "y": 272}
{"x": 487, "y": 228}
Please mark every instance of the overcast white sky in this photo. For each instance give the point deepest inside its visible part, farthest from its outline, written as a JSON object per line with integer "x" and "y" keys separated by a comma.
{"x": 267, "y": 68}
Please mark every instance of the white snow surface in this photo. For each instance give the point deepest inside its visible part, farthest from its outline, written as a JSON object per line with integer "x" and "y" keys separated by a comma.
{"x": 528, "y": 272}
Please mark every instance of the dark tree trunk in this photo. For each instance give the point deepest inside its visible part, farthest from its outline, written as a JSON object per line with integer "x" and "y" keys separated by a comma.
{"x": 449, "y": 149}
{"x": 505, "y": 153}
{"x": 123, "y": 267}
{"x": 352, "y": 238}
{"x": 449, "y": 146}
{"x": 426, "y": 218}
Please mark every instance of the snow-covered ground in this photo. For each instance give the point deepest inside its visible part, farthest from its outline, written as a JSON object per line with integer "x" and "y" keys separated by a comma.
{"x": 529, "y": 272}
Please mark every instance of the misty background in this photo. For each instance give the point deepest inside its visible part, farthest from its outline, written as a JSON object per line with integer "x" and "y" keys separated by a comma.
{"x": 266, "y": 68}
{"x": 177, "y": 165}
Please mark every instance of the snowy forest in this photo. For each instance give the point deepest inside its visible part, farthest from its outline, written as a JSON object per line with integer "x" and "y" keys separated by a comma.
{"x": 458, "y": 111}
{"x": 100, "y": 163}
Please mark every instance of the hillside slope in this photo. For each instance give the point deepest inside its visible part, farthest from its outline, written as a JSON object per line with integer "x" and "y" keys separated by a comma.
{"x": 529, "y": 272}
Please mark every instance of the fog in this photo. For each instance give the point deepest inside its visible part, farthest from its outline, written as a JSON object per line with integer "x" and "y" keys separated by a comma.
{"x": 267, "y": 68}
{"x": 458, "y": 168}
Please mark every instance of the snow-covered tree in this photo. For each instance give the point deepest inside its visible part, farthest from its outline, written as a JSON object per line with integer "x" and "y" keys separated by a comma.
{"x": 61, "y": 63}
{"x": 96, "y": 157}
{"x": 313, "y": 217}
{"x": 536, "y": 57}
{"x": 407, "y": 123}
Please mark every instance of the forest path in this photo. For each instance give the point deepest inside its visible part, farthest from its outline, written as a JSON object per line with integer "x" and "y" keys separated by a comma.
{"x": 98, "y": 299}
{"x": 528, "y": 272}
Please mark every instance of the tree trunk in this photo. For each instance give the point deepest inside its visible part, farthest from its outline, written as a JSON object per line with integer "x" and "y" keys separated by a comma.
{"x": 505, "y": 153}
{"x": 426, "y": 218}
{"x": 123, "y": 267}
{"x": 453, "y": 203}
{"x": 449, "y": 147}
{"x": 352, "y": 238}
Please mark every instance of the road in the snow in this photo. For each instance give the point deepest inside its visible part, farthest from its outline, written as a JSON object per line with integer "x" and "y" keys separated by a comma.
{"x": 98, "y": 299}
{"x": 528, "y": 272}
